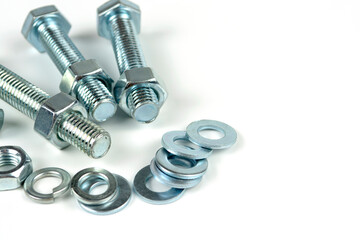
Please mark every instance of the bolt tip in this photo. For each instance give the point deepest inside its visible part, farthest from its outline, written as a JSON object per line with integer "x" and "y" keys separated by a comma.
{"x": 104, "y": 110}
{"x": 146, "y": 112}
{"x": 101, "y": 146}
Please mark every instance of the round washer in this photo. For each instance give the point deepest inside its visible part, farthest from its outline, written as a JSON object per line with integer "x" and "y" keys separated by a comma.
{"x": 117, "y": 203}
{"x": 193, "y": 132}
{"x": 165, "y": 161}
{"x": 97, "y": 174}
{"x": 149, "y": 196}
{"x": 171, "y": 181}
{"x": 58, "y": 191}
{"x": 169, "y": 139}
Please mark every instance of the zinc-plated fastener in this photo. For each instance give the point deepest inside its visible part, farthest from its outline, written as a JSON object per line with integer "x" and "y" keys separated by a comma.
{"x": 47, "y": 30}
{"x": 138, "y": 92}
{"x": 60, "y": 119}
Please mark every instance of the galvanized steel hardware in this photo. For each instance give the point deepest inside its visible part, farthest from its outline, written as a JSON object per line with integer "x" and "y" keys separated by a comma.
{"x": 60, "y": 119}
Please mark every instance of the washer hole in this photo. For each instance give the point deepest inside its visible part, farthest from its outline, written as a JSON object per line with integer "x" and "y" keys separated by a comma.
{"x": 47, "y": 186}
{"x": 182, "y": 162}
{"x": 9, "y": 160}
{"x": 156, "y": 186}
{"x": 94, "y": 184}
{"x": 212, "y": 133}
{"x": 186, "y": 143}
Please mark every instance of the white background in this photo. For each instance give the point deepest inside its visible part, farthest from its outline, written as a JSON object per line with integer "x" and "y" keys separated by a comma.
{"x": 284, "y": 74}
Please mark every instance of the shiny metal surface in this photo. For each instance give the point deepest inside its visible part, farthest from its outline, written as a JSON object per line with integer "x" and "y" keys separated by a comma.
{"x": 114, "y": 205}
{"x": 58, "y": 191}
{"x": 179, "y": 167}
{"x": 15, "y": 166}
{"x": 172, "y": 181}
{"x": 47, "y": 30}
{"x": 169, "y": 139}
{"x": 150, "y": 196}
{"x": 138, "y": 92}
{"x": 72, "y": 127}
{"x": 229, "y": 138}
{"x": 92, "y": 174}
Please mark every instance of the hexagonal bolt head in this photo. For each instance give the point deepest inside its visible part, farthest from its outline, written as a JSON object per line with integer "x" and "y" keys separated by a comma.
{"x": 91, "y": 70}
{"x": 137, "y": 78}
{"x": 36, "y": 17}
{"x": 51, "y": 112}
{"x": 117, "y": 7}
{"x": 16, "y": 166}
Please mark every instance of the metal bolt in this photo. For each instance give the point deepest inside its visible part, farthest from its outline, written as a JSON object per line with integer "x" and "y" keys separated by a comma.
{"x": 138, "y": 93}
{"x": 60, "y": 119}
{"x": 47, "y": 30}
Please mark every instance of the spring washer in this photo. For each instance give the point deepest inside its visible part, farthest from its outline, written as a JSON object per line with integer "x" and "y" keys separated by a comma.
{"x": 58, "y": 191}
{"x": 117, "y": 203}
{"x": 100, "y": 175}
{"x": 142, "y": 177}
{"x": 193, "y": 132}
{"x": 165, "y": 162}
{"x": 169, "y": 139}
{"x": 171, "y": 181}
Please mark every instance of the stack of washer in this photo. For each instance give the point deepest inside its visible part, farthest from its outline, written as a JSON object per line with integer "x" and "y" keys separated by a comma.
{"x": 181, "y": 166}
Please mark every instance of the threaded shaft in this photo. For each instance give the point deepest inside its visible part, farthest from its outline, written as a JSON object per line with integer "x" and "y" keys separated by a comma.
{"x": 91, "y": 93}
{"x": 84, "y": 135}
{"x": 142, "y": 103}
{"x": 64, "y": 53}
{"x": 71, "y": 127}
{"x": 59, "y": 46}
{"x": 21, "y": 94}
{"x": 126, "y": 44}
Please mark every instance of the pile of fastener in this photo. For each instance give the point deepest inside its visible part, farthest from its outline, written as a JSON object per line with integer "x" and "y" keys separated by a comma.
{"x": 89, "y": 96}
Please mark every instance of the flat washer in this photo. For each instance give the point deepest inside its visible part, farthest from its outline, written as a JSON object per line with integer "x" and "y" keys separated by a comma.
{"x": 117, "y": 203}
{"x": 165, "y": 162}
{"x": 171, "y": 181}
{"x": 93, "y": 173}
{"x": 193, "y": 132}
{"x": 152, "y": 197}
{"x": 58, "y": 191}
{"x": 169, "y": 139}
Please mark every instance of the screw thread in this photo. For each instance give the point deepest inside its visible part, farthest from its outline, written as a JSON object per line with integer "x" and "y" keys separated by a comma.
{"x": 72, "y": 127}
{"x": 91, "y": 93}
{"x": 21, "y": 94}
{"x": 129, "y": 55}
{"x": 126, "y": 44}
{"x": 64, "y": 53}
{"x": 84, "y": 135}
{"x": 59, "y": 46}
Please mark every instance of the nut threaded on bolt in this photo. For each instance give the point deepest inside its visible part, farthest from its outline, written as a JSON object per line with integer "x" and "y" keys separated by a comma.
{"x": 71, "y": 127}
{"x": 49, "y": 31}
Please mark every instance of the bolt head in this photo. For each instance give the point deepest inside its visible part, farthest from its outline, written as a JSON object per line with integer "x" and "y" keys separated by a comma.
{"x": 50, "y": 15}
{"x": 122, "y": 8}
{"x": 135, "y": 78}
{"x": 49, "y": 114}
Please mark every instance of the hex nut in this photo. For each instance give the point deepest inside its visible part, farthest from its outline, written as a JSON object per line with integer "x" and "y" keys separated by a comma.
{"x": 134, "y": 78}
{"x": 51, "y": 112}
{"x": 21, "y": 167}
{"x": 80, "y": 70}
{"x": 115, "y": 7}
{"x": 37, "y": 17}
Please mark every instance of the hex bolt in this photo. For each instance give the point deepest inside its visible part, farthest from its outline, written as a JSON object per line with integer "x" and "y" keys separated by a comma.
{"x": 138, "y": 93}
{"x": 60, "y": 119}
{"x": 47, "y": 30}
